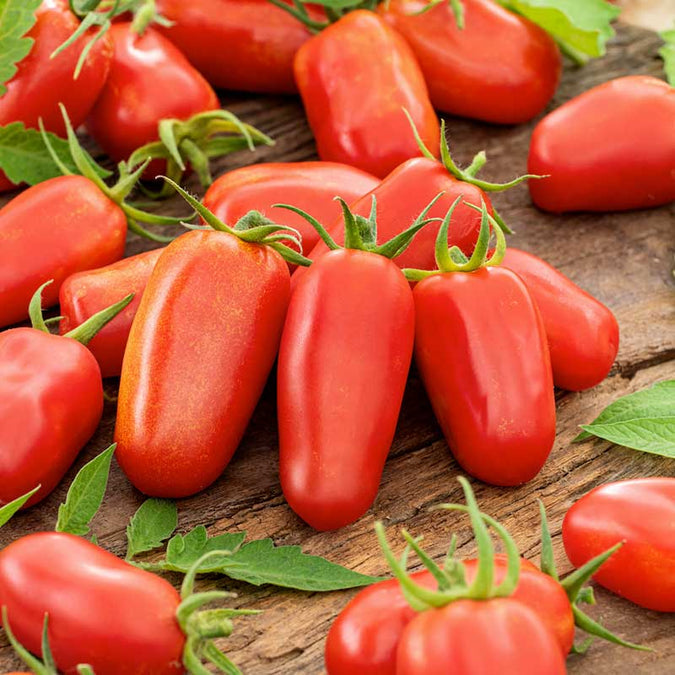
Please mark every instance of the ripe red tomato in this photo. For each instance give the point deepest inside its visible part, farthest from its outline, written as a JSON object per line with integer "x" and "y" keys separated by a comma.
{"x": 246, "y": 45}
{"x": 63, "y": 575}
{"x": 310, "y": 186}
{"x": 482, "y": 353}
{"x": 499, "y": 68}
{"x": 582, "y": 333}
{"x": 149, "y": 80}
{"x": 41, "y": 83}
{"x": 50, "y": 231}
{"x": 641, "y": 513}
{"x": 359, "y": 120}
{"x": 343, "y": 365}
{"x": 474, "y": 637}
{"x": 85, "y": 293}
{"x": 610, "y": 149}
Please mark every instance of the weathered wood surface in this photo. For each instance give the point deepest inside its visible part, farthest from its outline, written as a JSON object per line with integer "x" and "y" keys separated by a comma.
{"x": 624, "y": 259}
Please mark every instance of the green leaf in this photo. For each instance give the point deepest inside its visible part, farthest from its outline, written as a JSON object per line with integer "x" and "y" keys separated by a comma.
{"x": 580, "y": 27}
{"x": 667, "y": 53}
{"x": 85, "y": 495}
{"x": 183, "y": 551}
{"x": 24, "y": 157}
{"x": 8, "y": 510}
{"x": 17, "y": 17}
{"x": 153, "y": 523}
{"x": 642, "y": 421}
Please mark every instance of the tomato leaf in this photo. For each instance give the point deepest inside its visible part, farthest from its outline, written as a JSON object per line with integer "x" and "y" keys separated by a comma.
{"x": 580, "y": 27}
{"x": 25, "y": 159}
{"x": 667, "y": 53}
{"x": 183, "y": 551}
{"x": 153, "y": 523}
{"x": 17, "y": 17}
{"x": 85, "y": 495}
{"x": 8, "y": 510}
{"x": 642, "y": 421}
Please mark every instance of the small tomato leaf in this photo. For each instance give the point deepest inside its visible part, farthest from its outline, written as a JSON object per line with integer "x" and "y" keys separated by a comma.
{"x": 8, "y": 510}
{"x": 642, "y": 421}
{"x": 85, "y": 495}
{"x": 17, "y": 17}
{"x": 667, "y": 53}
{"x": 184, "y": 550}
{"x": 153, "y": 523}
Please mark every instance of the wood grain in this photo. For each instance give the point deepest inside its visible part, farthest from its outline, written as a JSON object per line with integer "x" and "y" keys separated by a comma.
{"x": 624, "y": 259}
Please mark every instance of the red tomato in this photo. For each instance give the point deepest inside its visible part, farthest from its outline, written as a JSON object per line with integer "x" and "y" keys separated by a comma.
{"x": 359, "y": 120}
{"x": 51, "y": 401}
{"x": 310, "y": 186}
{"x": 103, "y": 611}
{"x": 610, "y": 149}
{"x": 343, "y": 365}
{"x": 149, "y": 80}
{"x": 499, "y": 68}
{"x": 481, "y": 350}
{"x": 583, "y": 334}
{"x": 51, "y": 231}
{"x": 85, "y": 293}
{"x": 474, "y": 637}
{"x": 641, "y": 513}
{"x": 41, "y": 83}
{"x": 365, "y": 636}
{"x": 200, "y": 349}
{"x": 247, "y": 45}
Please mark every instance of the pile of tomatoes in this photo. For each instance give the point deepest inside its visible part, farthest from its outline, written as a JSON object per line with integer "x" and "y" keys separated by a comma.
{"x": 410, "y": 263}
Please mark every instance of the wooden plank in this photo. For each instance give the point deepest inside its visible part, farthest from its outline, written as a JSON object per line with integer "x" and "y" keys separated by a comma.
{"x": 624, "y": 259}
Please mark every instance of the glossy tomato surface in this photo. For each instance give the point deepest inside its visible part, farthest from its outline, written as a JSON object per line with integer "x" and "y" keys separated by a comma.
{"x": 359, "y": 120}
{"x": 640, "y": 513}
{"x": 610, "y": 149}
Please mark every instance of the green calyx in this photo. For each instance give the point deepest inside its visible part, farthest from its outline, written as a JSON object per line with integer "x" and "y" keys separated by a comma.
{"x": 118, "y": 192}
{"x": 574, "y": 585}
{"x": 86, "y": 331}
{"x": 45, "y": 667}
{"x": 195, "y": 142}
{"x": 201, "y": 628}
{"x": 451, "y": 259}
{"x": 361, "y": 233}
{"x": 451, "y": 577}
{"x": 334, "y": 10}
{"x": 253, "y": 228}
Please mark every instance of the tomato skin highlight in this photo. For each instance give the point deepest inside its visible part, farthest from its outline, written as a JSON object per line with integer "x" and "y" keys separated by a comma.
{"x": 582, "y": 333}
{"x": 85, "y": 293}
{"x": 202, "y": 344}
{"x": 364, "y": 125}
{"x": 474, "y": 637}
{"x": 41, "y": 83}
{"x": 364, "y": 637}
{"x": 50, "y": 231}
{"x": 51, "y": 401}
{"x": 499, "y": 68}
{"x": 641, "y": 513}
{"x": 246, "y": 45}
{"x": 345, "y": 354}
{"x": 610, "y": 149}
{"x": 150, "y": 80}
{"x": 310, "y": 186}
{"x": 94, "y": 600}
{"x": 482, "y": 353}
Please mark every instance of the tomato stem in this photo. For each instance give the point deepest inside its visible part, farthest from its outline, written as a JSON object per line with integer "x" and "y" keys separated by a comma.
{"x": 86, "y": 331}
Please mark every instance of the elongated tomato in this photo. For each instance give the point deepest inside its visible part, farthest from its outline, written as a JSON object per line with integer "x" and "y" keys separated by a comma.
{"x": 582, "y": 333}
{"x": 85, "y": 293}
{"x": 310, "y": 186}
{"x": 481, "y": 349}
{"x": 499, "y": 68}
{"x": 343, "y": 364}
{"x": 51, "y": 231}
{"x": 359, "y": 120}
{"x": 640, "y": 513}
{"x": 200, "y": 349}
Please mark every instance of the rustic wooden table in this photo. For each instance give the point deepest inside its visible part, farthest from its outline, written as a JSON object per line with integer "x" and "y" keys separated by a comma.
{"x": 625, "y": 259}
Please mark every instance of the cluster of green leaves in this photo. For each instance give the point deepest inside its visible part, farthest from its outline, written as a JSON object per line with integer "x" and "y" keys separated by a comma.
{"x": 17, "y": 17}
